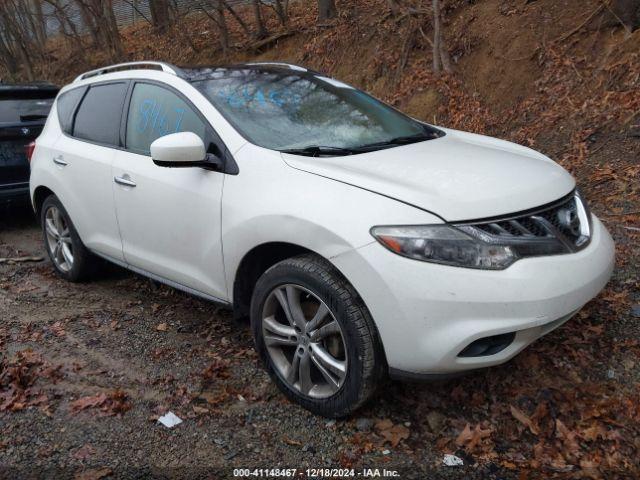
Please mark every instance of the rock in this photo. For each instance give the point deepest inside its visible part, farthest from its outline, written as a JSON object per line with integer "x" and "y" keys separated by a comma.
{"x": 364, "y": 424}
{"x": 611, "y": 374}
{"x": 309, "y": 449}
{"x": 635, "y": 311}
{"x": 231, "y": 454}
{"x": 435, "y": 420}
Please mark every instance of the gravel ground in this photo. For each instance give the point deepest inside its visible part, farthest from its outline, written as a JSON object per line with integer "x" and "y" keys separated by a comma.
{"x": 139, "y": 349}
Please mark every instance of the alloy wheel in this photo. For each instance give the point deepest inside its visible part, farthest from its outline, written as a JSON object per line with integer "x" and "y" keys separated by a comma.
{"x": 59, "y": 239}
{"x": 304, "y": 341}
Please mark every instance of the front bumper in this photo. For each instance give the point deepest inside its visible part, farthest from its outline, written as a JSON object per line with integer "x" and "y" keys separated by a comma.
{"x": 427, "y": 314}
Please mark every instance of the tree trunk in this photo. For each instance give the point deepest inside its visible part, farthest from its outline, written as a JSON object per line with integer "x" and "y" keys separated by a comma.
{"x": 88, "y": 16}
{"x": 237, "y": 17}
{"x": 437, "y": 64}
{"x": 222, "y": 26}
{"x": 17, "y": 37}
{"x": 441, "y": 58}
{"x": 326, "y": 9}
{"x": 7, "y": 58}
{"x": 112, "y": 32}
{"x": 39, "y": 22}
{"x": 261, "y": 31}
{"x": 281, "y": 11}
{"x": 160, "y": 15}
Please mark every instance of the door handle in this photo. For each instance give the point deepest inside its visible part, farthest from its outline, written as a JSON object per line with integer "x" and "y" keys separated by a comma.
{"x": 124, "y": 181}
{"x": 59, "y": 160}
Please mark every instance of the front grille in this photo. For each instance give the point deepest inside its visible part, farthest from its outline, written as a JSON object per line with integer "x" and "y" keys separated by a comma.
{"x": 561, "y": 227}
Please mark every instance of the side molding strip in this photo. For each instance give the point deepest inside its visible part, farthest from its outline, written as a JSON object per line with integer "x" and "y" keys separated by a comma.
{"x": 170, "y": 283}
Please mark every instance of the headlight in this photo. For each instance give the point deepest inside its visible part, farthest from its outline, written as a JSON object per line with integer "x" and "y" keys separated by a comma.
{"x": 445, "y": 245}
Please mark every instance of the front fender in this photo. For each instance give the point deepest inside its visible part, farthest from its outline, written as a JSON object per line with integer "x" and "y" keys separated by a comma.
{"x": 270, "y": 201}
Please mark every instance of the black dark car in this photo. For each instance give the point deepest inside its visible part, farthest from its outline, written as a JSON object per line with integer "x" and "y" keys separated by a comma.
{"x": 23, "y": 112}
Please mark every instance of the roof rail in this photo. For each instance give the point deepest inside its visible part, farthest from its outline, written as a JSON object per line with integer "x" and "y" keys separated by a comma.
{"x": 290, "y": 66}
{"x": 165, "y": 67}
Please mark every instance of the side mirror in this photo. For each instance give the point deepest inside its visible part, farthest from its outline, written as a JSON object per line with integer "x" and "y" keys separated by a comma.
{"x": 180, "y": 150}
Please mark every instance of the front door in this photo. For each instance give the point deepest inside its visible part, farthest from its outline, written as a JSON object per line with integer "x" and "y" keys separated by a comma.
{"x": 169, "y": 218}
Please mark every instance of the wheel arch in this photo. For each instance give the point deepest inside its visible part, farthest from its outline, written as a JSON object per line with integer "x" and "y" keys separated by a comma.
{"x": 40, "y": 194}
{"x": 253, "y": 264}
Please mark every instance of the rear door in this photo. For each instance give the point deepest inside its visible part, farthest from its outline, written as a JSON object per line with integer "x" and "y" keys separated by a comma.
{"x": 23, "y": 111}
{"x": 169, "y": 218}
{"x": 83, "y": 158}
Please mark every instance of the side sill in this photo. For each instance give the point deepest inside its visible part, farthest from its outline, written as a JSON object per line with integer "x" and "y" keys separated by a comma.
{"x": 404, "y": 376}
{"x": 170, "y": 283}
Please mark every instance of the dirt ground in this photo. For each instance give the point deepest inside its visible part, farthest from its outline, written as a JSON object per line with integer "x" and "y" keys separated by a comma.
{"x": 99, "y": 362}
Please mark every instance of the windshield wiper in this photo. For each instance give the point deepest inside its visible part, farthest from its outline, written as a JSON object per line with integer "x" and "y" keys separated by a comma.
{"x": 320, "y": 150}
{"x": 404, "y": 140}
{"x": 32, "y": 118}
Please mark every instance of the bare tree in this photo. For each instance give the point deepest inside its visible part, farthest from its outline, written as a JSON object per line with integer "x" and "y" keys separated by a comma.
{"x": 441, "y": 59}
{"x": 19, "y": 43}
{"x": 282, "y": 10}
{"x": 326, "y": 9}
{"x": 160, "y": 15}
{"x": 261, "y": 30}
{"x": 101, "y": 22}
{"x": 8, "y": 57}
{"x": 236, "y": 17}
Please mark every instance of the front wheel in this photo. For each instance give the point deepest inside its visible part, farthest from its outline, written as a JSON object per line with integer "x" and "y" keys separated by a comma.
{"x": 315, "y": 336}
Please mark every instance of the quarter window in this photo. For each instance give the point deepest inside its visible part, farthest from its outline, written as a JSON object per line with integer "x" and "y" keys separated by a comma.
{"x": 99, "y": 115}
{"x": 66, "y": 104}
{"x": 155, "y": 112}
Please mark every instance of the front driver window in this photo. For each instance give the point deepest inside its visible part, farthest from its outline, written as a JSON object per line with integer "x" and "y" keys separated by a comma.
{"x": 155, "y": 112}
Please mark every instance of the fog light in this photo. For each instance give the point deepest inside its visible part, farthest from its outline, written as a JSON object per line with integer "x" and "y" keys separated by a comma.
{"x": 488, "y": 345}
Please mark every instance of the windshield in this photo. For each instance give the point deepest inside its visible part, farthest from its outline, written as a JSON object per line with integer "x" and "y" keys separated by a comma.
{"x": 293, "y": 110}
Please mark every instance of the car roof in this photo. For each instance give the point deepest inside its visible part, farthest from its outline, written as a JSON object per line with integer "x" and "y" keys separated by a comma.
{"x": 191, "y": 73}
{"x": 203, "y": 72}
{"x": 44, "y": 88}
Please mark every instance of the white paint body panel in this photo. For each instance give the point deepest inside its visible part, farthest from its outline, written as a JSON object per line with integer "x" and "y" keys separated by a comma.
{"x": 460, "y": 176}
{"x": 157, "y": 226}
{"x": 193, "y": 227}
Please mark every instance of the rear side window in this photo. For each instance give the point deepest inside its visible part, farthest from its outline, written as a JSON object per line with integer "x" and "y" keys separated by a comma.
{"x": 66, "y": 105}
{"x": 99, "y": 115}
{"x": 155, "y": 112}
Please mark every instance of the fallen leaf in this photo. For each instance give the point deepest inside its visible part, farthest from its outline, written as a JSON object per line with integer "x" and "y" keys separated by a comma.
{"x": 395, "y": 434}
{"x": 469, "y": 438}
{"x": 90, "y": 401}
{"x": 524, "y": 419}
{"x": 385, "y": 424}
{"x": 162, "y": 327}
{"x": 94, "y": 474}
{"x": 84, "y": 452}
{"x": 291, "y": 442}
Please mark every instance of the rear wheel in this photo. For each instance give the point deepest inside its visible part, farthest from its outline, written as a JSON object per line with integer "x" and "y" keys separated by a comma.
{"x": 315, "y": 336}
{"x": 70, "y": 258}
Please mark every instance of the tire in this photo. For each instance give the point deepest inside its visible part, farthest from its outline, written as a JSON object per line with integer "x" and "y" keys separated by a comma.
{"x": 84, "y": 264}
{"x": 315, "y": 281}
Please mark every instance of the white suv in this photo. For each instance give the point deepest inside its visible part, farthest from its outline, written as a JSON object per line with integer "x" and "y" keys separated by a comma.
{"x": 362, "y": 243}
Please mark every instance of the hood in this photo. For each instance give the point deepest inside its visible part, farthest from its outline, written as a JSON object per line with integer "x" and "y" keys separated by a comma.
{"x": 460, "y": 176}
